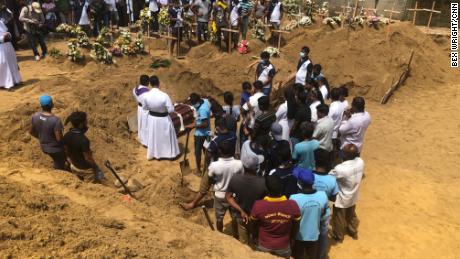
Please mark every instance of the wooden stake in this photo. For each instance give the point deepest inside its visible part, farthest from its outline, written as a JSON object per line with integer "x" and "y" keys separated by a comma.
{"x": 230, "y": 31}
{"x": 356, "y": 9}
{"x": 431, "y": 13}
{"x": 415, "y": 12}
{"x": 392, "y": 11}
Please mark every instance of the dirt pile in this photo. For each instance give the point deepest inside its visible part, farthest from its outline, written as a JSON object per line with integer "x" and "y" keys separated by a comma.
{"x": 79, "y": 221}
{"x": 368, "y": 61}
{"x": 363, "y": 59}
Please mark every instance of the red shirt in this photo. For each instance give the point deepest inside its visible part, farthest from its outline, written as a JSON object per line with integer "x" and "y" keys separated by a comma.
{"x": 275, "y": 217}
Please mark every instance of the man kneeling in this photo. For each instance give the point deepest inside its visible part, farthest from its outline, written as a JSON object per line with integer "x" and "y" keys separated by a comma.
{"x": 77, "y": 147}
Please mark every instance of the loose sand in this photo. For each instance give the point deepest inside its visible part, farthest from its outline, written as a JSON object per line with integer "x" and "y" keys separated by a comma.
{"x": 407, "y": 204}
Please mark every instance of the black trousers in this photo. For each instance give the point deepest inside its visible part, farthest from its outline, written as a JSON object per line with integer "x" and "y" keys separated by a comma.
{"x": 199, "y": 141}
{"x": 59, "y": 160}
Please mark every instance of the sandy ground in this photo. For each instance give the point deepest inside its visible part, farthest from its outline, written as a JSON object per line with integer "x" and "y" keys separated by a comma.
{"x": 407, "y": 204}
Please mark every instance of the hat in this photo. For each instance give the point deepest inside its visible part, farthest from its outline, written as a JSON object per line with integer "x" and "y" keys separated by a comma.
{"x": 46, "y": 100}
{"x": 249, "y": 158}
{"x": 36, "y": 7}
{"x": 277, "y": 131}
{"x": 303, "y": 175}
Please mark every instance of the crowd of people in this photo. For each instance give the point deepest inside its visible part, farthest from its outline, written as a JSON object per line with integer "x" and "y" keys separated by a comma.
{"x": 278, "y": 172}
{"x": 274, "y": 170}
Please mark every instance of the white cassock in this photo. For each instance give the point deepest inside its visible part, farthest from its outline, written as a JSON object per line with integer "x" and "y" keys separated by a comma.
{"x": 9, "y": 70}
{"x": 142, "y": 115}
{"x": 286, "y": 125}
{"x": 162, "y": 139}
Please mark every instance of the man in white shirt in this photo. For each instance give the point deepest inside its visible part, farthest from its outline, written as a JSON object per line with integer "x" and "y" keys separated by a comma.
{"x": 254, "y": 99}
{"x": 265, "y": 72}
{"x": 220, "y": 173}
{"x": 142, "y": 115}
{"x": 275, "y": 14}
{"x": 336, "y": 110}
{"x": 154, "y": 11}
{"x": 304, "y": 67}
{"x": 314, "y": 102}
{"x": 354, "y": 124}
{"x": 348, "y": 175}
{"x": 111, "y": 17}
{"x": 162, "y": 138}
{"x": 324, "y": 128}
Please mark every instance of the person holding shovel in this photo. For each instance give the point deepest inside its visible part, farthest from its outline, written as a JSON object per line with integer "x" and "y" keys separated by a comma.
{"x": 202, "y": 126}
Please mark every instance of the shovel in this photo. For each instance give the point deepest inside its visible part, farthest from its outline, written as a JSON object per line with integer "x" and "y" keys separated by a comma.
{"x": 208, "y": 219}
{"x": 109, "y": 166}
{"x": 185, "y": 165}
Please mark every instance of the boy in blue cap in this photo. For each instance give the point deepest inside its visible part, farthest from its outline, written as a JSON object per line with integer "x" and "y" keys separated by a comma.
{"x": 47, "y": 128}
{"x": 312, "y": 204}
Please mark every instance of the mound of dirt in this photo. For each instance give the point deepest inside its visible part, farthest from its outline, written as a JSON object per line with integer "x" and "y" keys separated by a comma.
{"x": 365, "y": 59}
{"x": 368, "y": 62}
{"x": 79, "y": 221}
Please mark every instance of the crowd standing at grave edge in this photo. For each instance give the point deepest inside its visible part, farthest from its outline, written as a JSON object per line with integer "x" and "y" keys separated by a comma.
{"x": 288, "y": 177}
{"x": 274, "y": 171}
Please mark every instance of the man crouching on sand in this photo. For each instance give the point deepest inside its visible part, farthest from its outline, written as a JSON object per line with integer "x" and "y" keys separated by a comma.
{"x": 78, "y": 150}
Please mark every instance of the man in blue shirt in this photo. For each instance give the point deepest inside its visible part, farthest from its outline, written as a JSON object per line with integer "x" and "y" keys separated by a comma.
{"x": 328, "y": 184}
{"x": 312, "y": 204}
{"x": 202, "y": 125}
{"x": 304, "y": 151}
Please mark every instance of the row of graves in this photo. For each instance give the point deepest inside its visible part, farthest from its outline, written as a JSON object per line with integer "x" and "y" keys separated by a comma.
{"x": 130, "y": 41}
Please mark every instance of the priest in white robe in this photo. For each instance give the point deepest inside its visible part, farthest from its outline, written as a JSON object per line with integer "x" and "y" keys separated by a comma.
{"x": 9, "y": 70}
{"x": 162, "y": 138}
{"x": 142, "y": 115}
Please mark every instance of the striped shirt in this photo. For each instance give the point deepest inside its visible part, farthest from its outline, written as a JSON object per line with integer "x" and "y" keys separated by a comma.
{"x": 246, "y": 7}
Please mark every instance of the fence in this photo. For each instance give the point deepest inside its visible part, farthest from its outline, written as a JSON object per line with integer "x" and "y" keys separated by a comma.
{"x": 438, "y": 20}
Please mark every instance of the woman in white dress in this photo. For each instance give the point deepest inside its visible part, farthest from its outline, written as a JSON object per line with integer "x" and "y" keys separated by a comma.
{"x": 9, "y": 70}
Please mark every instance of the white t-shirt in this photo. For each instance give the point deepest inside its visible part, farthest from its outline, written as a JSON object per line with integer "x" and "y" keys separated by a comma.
{"x": 234, "y": 15}
{"x": 265, "y": 74}
{"x": 276, "y": 14}
{"x": 314, "y": 114}
{"x": 323, "y": 133}
{"x": 235, "y": 110}
{"x": 301, "y": 74}
{"x": 348, "y": 175}
{"x": 335, "y": 113}
{"x": 222, "y": 171}
{"x": 153, "y": 5}
{"x": 254, "y": 102}
{"x": 324, "y": 92}
{"x": 112, "y": 4}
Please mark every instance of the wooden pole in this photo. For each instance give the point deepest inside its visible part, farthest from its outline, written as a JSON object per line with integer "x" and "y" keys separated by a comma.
{"x": 415, "y": 13}
{"x": 356, "y": 9}
{"x": 431, "y": 14}
{"x": 178, "y": 42}
{"x": 279, "y": 40}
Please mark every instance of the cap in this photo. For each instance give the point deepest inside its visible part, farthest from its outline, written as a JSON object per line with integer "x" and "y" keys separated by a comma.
{"x": 250, "y": 159}
{"x": 36, "y": 7}
{"x": 304, "y": 176}
{"x": 277, "y": 131}
{"x": 46, "y": 100}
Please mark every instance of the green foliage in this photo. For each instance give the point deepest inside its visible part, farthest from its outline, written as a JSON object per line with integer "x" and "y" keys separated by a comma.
{"x": 101, "y": 54}
{"x": 74, "y": 53}
{"x": 55, "y": 53}
{"x": 159, "y": 62}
